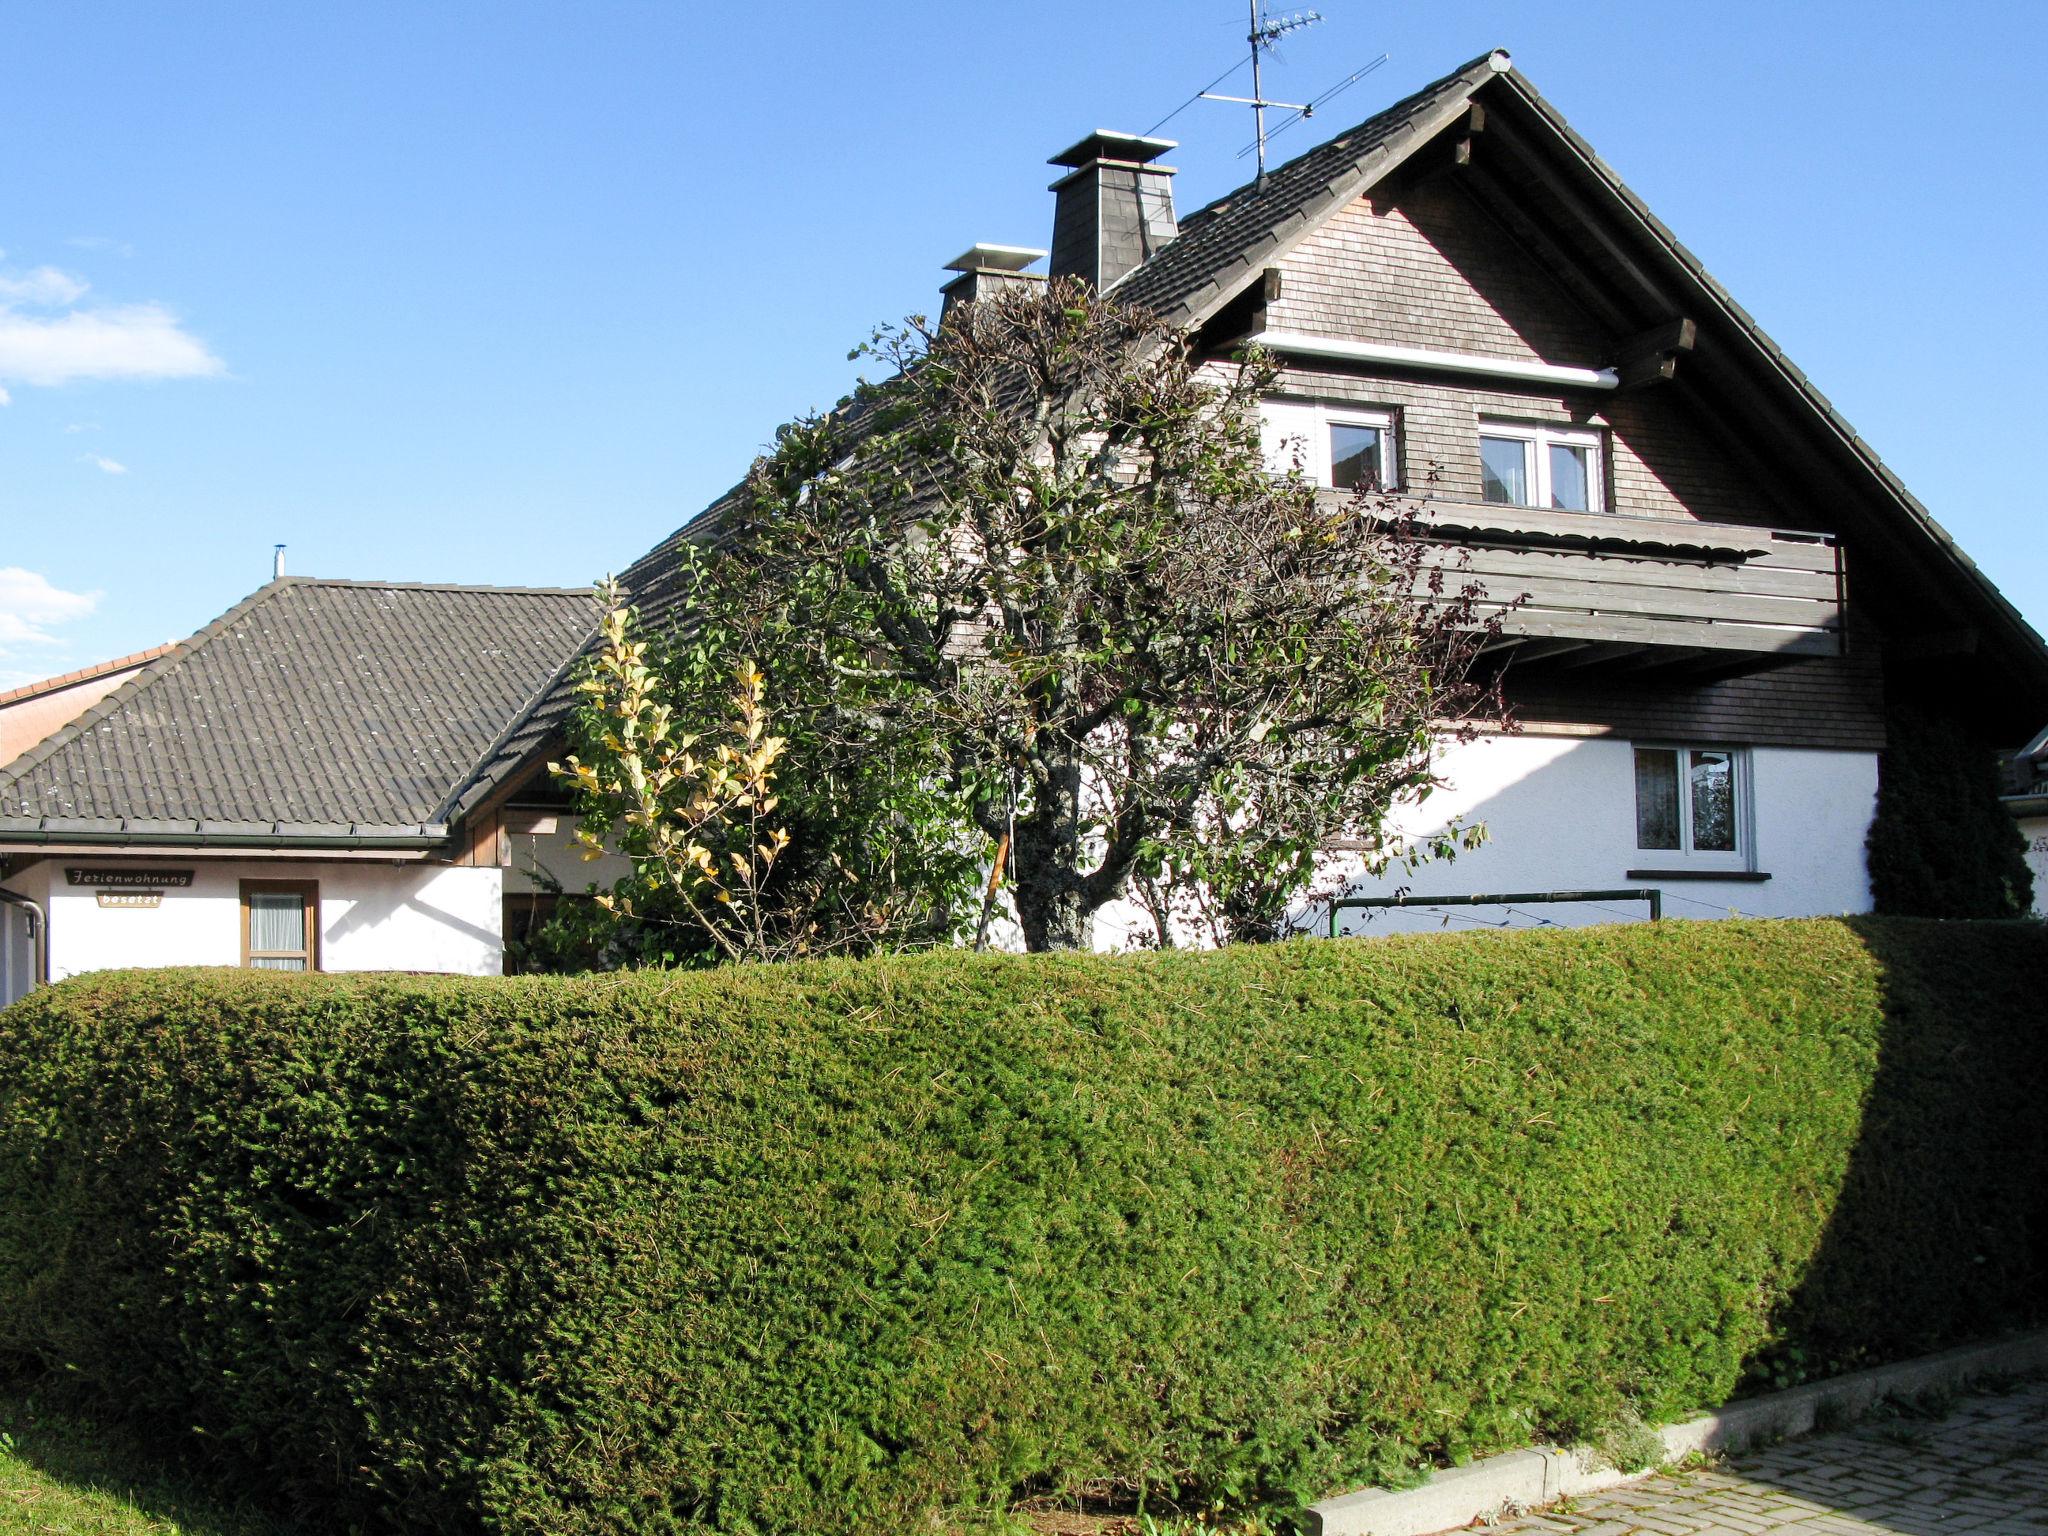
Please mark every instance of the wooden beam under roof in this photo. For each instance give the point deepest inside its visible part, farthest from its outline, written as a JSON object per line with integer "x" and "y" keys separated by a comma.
{"x": 1545, "y": 175}
{"x": 1496, "y": 200}
{"x": 1538, "y": 648}
{"x": 1651, "y": 356}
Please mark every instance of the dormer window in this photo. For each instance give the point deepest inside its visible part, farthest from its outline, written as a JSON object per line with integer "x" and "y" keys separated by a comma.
{"x": 1540, "y": 467}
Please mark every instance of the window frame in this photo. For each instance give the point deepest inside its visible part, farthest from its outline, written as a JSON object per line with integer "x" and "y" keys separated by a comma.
{"x": 1309, "y": 421}
{"x": 1537, "y": 438}
{"x": 1332, "y": 417}
{"x": 308, "y": 891}
{"x": 1742, "y": 857}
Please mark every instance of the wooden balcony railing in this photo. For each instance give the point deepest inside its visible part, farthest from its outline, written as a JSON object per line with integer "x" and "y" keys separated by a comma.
{"x": 1617, "y": 579}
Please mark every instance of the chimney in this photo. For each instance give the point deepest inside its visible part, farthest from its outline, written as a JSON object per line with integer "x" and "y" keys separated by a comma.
{"x": 277, "y": 563}
{"x": 1114, "y": 209}
{"x": 985, "y": 268}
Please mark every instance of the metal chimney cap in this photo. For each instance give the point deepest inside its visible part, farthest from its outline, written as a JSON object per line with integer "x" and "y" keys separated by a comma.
{"x": 994, "y": 258}
{"x": 1108, "y": 144}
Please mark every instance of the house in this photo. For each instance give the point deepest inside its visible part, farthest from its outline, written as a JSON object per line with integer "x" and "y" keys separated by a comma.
{"x": 277, "y": 790}
{"x": 1721, "y": 590}
{"x": 1723, "y": 587}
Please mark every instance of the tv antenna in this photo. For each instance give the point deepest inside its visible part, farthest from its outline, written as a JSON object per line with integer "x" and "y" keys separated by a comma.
{"x": 1266, "y": 31}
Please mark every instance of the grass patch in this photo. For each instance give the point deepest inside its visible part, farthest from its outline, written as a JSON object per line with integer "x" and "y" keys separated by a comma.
{"x": 62, "y": 1473}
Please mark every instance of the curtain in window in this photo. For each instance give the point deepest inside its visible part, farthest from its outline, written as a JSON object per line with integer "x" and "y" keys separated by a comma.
{"x": 1656, "y": 797}
{"x": 277, "y": 920}
{"x": 1570, "y": 482}
{"x": 1504, "y": 468}
{"x": 1713, "y": 802}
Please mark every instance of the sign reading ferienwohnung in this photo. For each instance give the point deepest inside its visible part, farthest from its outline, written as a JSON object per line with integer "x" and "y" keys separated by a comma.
{"x": 129, "y": 879}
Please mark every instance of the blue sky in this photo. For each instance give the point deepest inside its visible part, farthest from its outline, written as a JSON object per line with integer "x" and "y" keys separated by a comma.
{"x": 503, "y": 292}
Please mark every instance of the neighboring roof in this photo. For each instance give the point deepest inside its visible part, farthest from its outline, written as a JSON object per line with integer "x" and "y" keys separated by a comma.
{"x": 89, "y": 674}
{"x": 311, "y": 711}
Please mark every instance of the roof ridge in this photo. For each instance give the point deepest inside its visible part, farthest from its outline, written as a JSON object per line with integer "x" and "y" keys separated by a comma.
{"x": 1776, "y": 357}
{"x": 59, "y": 681}
{"x": 1208, "y": 264}
{"x": 427, "y": 586}
{"x": 13, "y": 772}
{"x": 1413, "y": 96}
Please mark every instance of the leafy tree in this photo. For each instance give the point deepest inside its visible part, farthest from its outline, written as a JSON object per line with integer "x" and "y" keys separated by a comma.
{"x": 745, "y": 843}
{"x": 1048, "y": 552}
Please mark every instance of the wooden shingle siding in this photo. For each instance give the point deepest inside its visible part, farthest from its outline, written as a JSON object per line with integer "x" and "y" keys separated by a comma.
{"x": 1829, "y": 702}
{"x": 1430, "y": 270}
{"x": 1659, "y": 464}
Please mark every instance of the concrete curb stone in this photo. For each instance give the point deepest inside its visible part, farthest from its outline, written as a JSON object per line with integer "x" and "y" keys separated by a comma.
{"x": 1516, "y": 1481}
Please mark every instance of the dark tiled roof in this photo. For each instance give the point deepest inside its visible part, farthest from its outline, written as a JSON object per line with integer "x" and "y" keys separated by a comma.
{"x": 1223, "y": 246}
{"x": 1218, "y": 249}
{"x": 316, "y": 708}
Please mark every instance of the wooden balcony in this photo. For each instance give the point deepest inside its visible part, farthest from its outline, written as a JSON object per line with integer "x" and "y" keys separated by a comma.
{"x": 1610, "y": 585}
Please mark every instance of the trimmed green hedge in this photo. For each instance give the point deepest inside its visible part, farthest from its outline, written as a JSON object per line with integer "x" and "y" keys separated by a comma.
{"x": 878, "y": 1246}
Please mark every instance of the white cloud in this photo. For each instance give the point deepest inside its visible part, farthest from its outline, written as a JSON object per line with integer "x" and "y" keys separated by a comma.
{"x": 47, "y": 338}
{"x": 44, "y": 287}
{"x": 30, "y": 607}
{"x": 6, "y": 398}
{"x": 133, "y": 341}
{"x": 105, "y": 464}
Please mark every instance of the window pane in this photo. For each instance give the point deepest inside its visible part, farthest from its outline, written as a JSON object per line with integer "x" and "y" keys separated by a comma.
{"x": 1656, "y": 797}
{"x": 1571, "y": 480}
{"x": 277, "y": 920}
{"x": 1713, "y": 802}
{"x": 1356, "y": 457}
{"x": 278, "y": 963}
{"x": 1504, "y": 467}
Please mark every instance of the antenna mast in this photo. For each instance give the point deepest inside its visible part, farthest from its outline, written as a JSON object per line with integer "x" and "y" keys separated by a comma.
{"x": 1264, "y": 34}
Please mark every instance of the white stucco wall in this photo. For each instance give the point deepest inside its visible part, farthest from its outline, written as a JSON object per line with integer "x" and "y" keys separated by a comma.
{"x": 373, "y": 916}
{"x": 2035, "y": 830}
{"x": 1560, "y": 813}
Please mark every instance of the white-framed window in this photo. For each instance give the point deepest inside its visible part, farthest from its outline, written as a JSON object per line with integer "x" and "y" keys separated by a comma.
{"x": 1344, "y": 447}
{"x": 1525, "y": 466}
{"x": 1693, "y": 804}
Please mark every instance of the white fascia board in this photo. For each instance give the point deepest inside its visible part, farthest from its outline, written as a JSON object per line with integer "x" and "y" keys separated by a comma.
{"x": 1343, "y": 349}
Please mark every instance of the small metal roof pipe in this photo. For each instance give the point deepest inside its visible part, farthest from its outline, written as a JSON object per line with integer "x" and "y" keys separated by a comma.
{"x": 38, "y": 933}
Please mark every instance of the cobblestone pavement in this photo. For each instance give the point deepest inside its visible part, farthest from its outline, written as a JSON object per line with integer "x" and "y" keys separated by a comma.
{"x": 1981, "y": 1468}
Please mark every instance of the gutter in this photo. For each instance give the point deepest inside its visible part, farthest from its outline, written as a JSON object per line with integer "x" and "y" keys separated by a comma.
{"x": 38, "y": 932}
{"x": 114, "y": 835}
{"x": 2026, "y": 805}
{"x": 1430, "y": 360}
